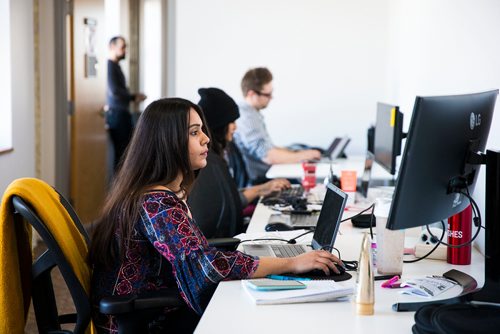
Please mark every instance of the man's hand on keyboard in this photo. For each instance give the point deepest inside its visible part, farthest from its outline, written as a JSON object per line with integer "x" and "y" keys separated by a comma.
{"x": 272, "y": 186}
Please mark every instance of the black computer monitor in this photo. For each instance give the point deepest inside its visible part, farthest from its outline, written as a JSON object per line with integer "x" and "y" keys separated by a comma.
{"x": 388, "y": 136}
{"x": 366, "y": 177}
{"x": 446, "y": 140}
{"x": 442, "y": 131}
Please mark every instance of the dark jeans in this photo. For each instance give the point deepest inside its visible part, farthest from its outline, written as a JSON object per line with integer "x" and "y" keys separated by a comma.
{"x": 119, "y": 123}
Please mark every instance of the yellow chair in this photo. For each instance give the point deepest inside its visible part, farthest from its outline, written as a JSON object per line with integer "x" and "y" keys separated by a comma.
{"x": 33, "y": 203}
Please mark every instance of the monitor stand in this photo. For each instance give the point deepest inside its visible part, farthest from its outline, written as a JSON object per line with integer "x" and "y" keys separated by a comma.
{"x": 490, "y": 292}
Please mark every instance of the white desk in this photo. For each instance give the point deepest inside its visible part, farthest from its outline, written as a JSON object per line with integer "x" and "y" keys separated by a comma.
{"x": 232, "y": 311}
{"x": 357, "y": 163}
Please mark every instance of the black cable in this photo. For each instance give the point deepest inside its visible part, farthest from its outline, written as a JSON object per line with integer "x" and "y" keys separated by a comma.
{"x": 479, "y": 224}
{"x": 360, "y": 213}
{"x": 300, "y": 235}
{"x": 264, "y": 239}
{"x": 371, "y": 221}
{"x": 349, "y": 265}
{"x": 330, "y": 249}
{"x": 289, "y": 241}
{"x": 477, "y": 219}
{"x": 432, "y": 250}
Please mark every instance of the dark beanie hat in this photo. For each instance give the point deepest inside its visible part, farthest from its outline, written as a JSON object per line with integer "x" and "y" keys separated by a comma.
{"x": 218, "y": 107}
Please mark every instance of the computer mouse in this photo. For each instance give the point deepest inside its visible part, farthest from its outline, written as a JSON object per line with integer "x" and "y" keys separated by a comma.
{"x": 278, "y": 227}
{"x": 321, "y": 273}
{"x": 340, "y": 268}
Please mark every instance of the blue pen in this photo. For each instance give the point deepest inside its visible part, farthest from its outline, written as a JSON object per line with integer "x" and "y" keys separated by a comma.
{"x": 288, "y": 278}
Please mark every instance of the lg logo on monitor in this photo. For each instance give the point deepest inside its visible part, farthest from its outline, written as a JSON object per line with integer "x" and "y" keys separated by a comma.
{"x": 475, "y": 120}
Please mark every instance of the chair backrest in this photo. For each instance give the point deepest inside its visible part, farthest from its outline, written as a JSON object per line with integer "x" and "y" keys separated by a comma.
{"x": 215, "y": 202}
{"x": 44, "y": 302}
{"x": 237, "y": 165}
{"x": 35, "y": 202}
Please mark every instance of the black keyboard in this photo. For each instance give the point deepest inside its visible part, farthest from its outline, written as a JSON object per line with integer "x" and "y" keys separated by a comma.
{"x": 285, "y": 197}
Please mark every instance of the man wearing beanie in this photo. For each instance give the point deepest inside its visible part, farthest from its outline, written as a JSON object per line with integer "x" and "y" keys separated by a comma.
{"x": 251, "y": 135}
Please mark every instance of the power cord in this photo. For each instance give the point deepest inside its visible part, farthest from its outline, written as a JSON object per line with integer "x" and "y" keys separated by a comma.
{"x": 292, "y": 241}
{"x": 433, "y": 248}
{"x": 348, "y": 265}
{"x": 477, "y": 222}
{"x": 476, "y": 219}
{"x": 372, "y": 207}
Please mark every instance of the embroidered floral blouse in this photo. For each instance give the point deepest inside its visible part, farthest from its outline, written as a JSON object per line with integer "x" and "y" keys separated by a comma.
{"x": 168, "y": 249}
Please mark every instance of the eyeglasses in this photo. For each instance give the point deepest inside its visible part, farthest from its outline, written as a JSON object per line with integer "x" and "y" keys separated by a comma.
{"x": 268, "y": 95}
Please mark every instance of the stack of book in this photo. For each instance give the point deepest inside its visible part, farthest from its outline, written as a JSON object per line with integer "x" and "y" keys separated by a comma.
{"x": 314, "y": 291}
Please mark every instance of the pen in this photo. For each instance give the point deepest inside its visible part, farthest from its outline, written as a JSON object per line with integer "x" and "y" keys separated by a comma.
{"x": 383, "y": 277}
{"x": 288, "y": 278}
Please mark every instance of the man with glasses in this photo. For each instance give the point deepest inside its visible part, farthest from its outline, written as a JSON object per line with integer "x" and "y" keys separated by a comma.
{"x": 251, "y": 134}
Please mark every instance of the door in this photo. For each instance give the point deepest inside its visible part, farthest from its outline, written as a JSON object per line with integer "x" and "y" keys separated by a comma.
{"x": 87, "y": 82}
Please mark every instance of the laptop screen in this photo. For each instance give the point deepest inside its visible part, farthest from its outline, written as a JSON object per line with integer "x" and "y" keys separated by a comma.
{"x": 365, "y": 180}
{"x": 337, "y": 147}
{"x": 329, "y": 218}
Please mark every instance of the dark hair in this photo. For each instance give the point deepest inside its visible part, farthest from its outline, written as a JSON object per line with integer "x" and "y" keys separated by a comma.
{"x": 255, "y": 79}
{"x": 115, "y": 39}
{"x": 157, "y": 152}
{"x": 219, "y": 141}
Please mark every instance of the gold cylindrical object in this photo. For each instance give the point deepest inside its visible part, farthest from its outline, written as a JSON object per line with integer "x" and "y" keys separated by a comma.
{"x": 365, "y": 293}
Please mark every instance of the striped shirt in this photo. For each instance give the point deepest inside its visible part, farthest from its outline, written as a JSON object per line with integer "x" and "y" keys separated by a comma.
{"x": 253, "y": 140}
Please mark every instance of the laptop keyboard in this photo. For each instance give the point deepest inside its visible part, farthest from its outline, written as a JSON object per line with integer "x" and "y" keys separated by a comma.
{"x": 292, "y": 192}
{"x": 289, "y": 196}
{"x": 287, "y": 250}
{"x": 304, "y": 220}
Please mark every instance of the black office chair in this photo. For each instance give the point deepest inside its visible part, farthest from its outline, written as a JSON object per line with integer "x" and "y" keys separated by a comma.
{"x": 237, "y": 165}
{"x": 215, "y": 202}
{"x": 134, "y": 313}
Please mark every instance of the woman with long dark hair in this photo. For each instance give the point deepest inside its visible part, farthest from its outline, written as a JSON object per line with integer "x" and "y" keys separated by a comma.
{"x": 146, "y": 239}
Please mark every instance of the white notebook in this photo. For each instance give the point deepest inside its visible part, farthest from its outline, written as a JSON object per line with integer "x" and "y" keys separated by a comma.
{"x": 316, "y": 291}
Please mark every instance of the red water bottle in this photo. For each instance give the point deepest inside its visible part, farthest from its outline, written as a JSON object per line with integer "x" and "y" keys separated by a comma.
{"x": 460, "y": 232}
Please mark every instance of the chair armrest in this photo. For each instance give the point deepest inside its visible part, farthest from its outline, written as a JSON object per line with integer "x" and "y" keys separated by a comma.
{"x": 224, "y": 243}
{"x": 116, "y": 305}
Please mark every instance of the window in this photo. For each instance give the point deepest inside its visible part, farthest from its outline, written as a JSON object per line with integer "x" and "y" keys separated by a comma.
{"x": 151, "y": 50}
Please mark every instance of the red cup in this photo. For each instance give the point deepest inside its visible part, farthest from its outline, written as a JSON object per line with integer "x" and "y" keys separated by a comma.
{"x": 309, "y": 178}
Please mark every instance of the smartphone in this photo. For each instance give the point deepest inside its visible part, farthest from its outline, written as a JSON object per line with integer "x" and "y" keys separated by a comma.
{"x": 265, "y": 284}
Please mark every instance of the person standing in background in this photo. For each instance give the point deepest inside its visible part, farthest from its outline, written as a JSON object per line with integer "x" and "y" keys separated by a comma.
{"x": 118, "y": 117}
{"x": 251, "y": 135}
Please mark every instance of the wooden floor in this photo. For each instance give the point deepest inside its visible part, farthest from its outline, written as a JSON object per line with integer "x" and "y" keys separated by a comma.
{"x": 63, "y": 297}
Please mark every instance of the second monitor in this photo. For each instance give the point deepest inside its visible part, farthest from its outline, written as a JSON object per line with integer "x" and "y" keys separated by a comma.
{"x": 388, "y": 136}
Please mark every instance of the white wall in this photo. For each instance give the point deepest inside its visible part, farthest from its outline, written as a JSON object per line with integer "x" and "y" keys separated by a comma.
{"x": 328, "y": 58}
{"x": 20, "y": 162}
{"x": 5, "y": 91}
{"x": 333, "y": 60}
{"x": 449, "y": 47}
